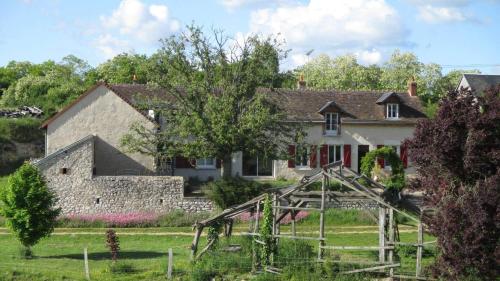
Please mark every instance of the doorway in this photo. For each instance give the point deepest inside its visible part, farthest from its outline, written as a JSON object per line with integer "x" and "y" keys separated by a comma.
{"x": 362, "y": 151}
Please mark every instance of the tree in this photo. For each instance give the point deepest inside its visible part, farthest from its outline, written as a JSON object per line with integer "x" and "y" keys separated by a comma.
{"x": 28, "y": 205}
{"x": 457, "y": 156}
{"x": 217, "y": 110}
{"x": 124, "y": 67}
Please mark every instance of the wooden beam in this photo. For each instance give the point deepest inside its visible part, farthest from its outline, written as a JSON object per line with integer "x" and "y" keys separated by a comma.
{"x": 361, "y": 248}
{"x": 375, "y": 268}
{"x": 196, "y": 239}
{"x": 296, "y": 208}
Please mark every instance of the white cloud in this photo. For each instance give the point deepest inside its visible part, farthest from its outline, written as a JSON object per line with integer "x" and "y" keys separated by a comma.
{"x": 432, "y": 14}
{"x": 362, "y": 27}
{"x": 111, "y": 46}
{"x": 343, "y": 23}
{"x": 136, "y": 24}
{"x": 369, "y": 56}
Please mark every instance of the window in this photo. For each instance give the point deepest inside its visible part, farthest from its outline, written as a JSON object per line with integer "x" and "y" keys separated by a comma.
{"x": 334, "y": 153}
{"x": 392, "y": 111}
{"x": 205, "y": 163}
{"x": 302, "y": 157}
{"x": 395, "y": 148}
{"x": 331, "y": 124}
{"x": 255, "y": 166}
{"x": 63, "y": 171}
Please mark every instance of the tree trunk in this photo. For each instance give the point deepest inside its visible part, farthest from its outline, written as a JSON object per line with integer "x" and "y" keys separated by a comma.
{"x": 227, "y": 166}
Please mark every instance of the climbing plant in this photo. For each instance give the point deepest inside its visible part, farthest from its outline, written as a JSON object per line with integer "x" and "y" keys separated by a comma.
{"x": 397, "y": 178}
{"x": 213, "y": 233}
{"x": 266, "y": 233}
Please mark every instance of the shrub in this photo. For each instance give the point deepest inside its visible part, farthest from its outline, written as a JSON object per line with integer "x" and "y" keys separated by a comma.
{"x": 228, "y": 192}
{"x": 21, "y": 130}
{"x": 28, "y": 205}
{"x": 397, "y": 178}
{"x": 113, "y": 243}
{"x": 457, "y": 157}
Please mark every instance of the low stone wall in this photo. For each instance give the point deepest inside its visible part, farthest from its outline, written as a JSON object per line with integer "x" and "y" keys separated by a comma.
{"x": 69, "y": 174}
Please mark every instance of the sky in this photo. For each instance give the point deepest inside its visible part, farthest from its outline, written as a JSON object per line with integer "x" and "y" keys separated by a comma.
{"x": 461, "y": 34}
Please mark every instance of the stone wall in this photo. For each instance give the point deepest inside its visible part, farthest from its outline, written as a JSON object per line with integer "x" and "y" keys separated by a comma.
{"x": 70, "y": 174}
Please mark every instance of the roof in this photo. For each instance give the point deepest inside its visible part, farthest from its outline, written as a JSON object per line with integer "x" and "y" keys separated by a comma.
{"x": 130, "y": 93}
{"x": 299, "y": 105}
{"x": 357, "y": 106}
{"x": 481, "y": 82}
{"x": 63, "y": 151}
{"x": 388, "y": 97}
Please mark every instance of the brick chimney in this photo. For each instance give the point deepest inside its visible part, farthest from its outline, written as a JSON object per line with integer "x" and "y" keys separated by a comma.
{"x": 412, "y": 87}
{"x": 301, "y": 84}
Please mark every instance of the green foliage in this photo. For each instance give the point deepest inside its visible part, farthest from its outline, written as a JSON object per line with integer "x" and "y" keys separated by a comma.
{"x": 345, "y": 73}
{"x": 123, "y": 67}
{"x": 22, "y": 130}
{"x": 177, "y": 218}
{"x": 397, "y": 178}
{"x": 227, "y": 192}
{"x": 213, "y": 233}
{"x": 217, "y": 107}
{"x": 28, "y": 205}
{"x": 121, "y": 268}
{"x": 268, "y": 249}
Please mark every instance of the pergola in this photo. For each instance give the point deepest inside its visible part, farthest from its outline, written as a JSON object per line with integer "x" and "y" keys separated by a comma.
{"x": 294, "y": 199}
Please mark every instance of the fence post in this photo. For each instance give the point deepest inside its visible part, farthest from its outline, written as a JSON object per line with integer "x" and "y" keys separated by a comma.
{"x": 420, "y": 241}
{"x": 391, "y": 240}
{"x": 381, "y": 233}
{"x": 170, "y": 263}
{"x": 86, "y": 261}
{"x": 322, "y": 219}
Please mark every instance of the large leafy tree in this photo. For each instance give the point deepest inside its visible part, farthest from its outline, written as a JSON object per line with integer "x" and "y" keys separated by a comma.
{"x": 457, "y": 155}
{"x": 217, "y": 110}
{"x": 125, "y": 68}
{"x": 28, "y": 205}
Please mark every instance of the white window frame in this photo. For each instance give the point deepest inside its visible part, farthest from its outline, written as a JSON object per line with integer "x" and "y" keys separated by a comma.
{"x": 334, "y": 123}
{"x": 298, "y": 164}
{"x": 392, "y": 111}
{"x": 334, "y": 152}
{"x": 201, "y": 163}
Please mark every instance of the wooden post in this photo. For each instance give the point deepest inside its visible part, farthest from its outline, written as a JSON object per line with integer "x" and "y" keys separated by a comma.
{"x": 420, "y": 241}
{"x": 292, "y": 214}
{"x": 322, "y": 219}
{"x": 86, "y": 262}
{"x": 170, "y": 263}
{"x": 256, "y": 225}
{"x": 194, "y": 245}
{"x": 381, "y": 234}
{"x": 391, "y": 241}
{"x": 275, "y": 212}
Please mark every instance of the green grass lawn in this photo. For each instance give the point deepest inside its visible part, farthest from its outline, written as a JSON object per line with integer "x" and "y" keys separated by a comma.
{"x": 60, "y": 257}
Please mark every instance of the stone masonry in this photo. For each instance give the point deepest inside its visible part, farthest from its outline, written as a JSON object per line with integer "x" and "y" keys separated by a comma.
{"x": 69, "y": 172}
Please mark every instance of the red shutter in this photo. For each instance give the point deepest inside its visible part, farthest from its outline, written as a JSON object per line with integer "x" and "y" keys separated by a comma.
{"x": 323, "y": 155}
{"x": 347, "y": 155}
{"x": 313, "y": 157}
{"x": 404, "y": 156}
{"x": 380, "y": 160}
{"x": 291, "y": 155}
{"x": 182, "y": 162}
{"x": 218, "y": 163}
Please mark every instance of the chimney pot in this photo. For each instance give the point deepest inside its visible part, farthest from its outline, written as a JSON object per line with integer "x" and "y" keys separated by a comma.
{"x": 412, "y": 87}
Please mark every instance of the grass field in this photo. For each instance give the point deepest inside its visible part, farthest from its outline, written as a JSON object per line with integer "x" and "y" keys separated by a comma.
{"x": 60, "y": 257}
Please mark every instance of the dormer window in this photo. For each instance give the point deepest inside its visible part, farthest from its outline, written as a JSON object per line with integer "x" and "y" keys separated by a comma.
{"x": 392, "y": 111}
{"x": 331, "y": 124}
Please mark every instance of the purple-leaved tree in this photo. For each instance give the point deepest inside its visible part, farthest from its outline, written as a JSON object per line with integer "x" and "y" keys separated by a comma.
{"x": 457, "y": 155}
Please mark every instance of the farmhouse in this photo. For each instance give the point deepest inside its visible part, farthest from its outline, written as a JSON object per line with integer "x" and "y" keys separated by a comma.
{"x": 85, "y": 164}
{"x": 478, "y": 83}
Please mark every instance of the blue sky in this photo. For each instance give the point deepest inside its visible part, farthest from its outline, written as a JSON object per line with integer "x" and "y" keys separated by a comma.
{"x": 453, "y": 33}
